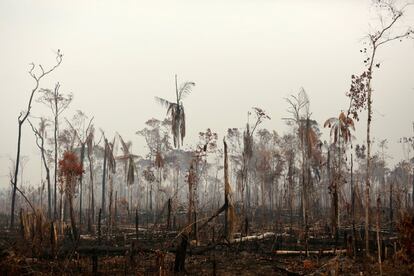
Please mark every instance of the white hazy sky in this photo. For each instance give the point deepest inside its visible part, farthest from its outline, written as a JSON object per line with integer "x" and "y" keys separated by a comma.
{"x": 119, "y": 54}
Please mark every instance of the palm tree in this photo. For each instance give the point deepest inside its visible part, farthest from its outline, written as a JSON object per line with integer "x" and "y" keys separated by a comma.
{"x": 176, "y": 111}
{"x": 340, "y": 129}
{"x": 130, "y": 169}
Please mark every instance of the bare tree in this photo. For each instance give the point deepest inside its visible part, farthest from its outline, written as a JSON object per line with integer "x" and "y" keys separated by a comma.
{"x": 40, "y": 134}
{"x": 361, "y": 86}
{"x": 248, "y": 143}
{"x": 57, "y": 102}
{"x": 83, "y": 133}
{"x": 37, "y": 77}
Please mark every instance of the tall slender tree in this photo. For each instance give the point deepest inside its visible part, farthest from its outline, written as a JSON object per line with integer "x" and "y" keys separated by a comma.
{"x": 57, "y": 102}
{"x": 40, "y": 134}
{"x": 83, "y": 133}
{"x": 37, "y": 77}
{"x": 361, "y": 87}
{"x": 341, "y": 127}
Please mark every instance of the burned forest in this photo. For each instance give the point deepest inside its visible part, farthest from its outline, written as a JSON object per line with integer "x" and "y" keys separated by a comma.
{"x": 231, "y": 168}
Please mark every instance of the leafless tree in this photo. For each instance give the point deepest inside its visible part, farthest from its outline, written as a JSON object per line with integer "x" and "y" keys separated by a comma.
{"x": 84, "y": 133}
{"x": 40, "y": 134}
{"x": 57, "y": 102}
{"x": 37, "y": 77}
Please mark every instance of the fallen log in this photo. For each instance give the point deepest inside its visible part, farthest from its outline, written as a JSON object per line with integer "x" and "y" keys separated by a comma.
{"x": 303, "y": 252}
{"x": 254, "y": 237}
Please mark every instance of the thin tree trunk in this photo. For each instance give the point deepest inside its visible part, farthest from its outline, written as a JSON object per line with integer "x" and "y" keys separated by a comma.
{"x": 378, "y": 232}
{"x": 353, "y": 207}
{"x": 72, "y": 217}
{"x": 92, "y": 205}
{"x": 391, "y": 209}
{"x": 16, "y": 172}
{"x": 229, "y": 211}
{"x": 136, "y": 224}
{"x": 169, "y": 215}
{"x": 412, "y": 195}
{"x": 367, "y": 177}
{"x": 82, "y": 157}
{"x": 21, "y": 119}
{"x": 55, "y": 161}
{"x": 49, "y": 196}
{"x": 116, "y": 207}
{"x": 110, "y": 204}
{"x": 103, "y": 180}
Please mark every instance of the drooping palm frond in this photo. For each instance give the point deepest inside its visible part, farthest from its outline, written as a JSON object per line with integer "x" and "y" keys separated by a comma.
{"x": 185, "y": 89}
{"x": 182, "y": 124}
{"x": 175, "y": 125}
{"x": 165, "y": 103}
{"x": 340, "y": 127}
{"x": 109, "y": 151}
{"x": 124, "y": 146}
{"x": 128, "y": 159}
{"x": 131, "y": 172}
{"x": 176, "y": 111}
{"x": 331, "y": 121}
{"x": 172, "y": 110}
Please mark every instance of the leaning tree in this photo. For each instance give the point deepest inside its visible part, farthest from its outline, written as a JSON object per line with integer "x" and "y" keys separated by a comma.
{"x": 40, "y": 134}
{"x": 37, "y": 77}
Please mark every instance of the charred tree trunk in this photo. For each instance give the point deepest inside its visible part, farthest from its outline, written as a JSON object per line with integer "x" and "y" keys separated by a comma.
{"x": 229, "y": 211}
{"x": 179, "y": 264}
{"x": 49, "y": 194}
{"x": 21, "y": 119}
{"x": 82, "y": 157}
{"x": 99, "y": 225}
{"x": 391, "y": 209}
{"x": 290, "y": 183}
{"x": 55, "y": 160}
{"x": 91, "y": 189}
{"x": 378, "y": 232}
{"x": 354, "y": 249}
{"x": 169, "y": 215}
{"x": 104, "y": 179}
{"x": 41, "y": 146}
{"x": 110, "y": 213}
{"x": 136, "y": 224}
{"x": 72, "y": 217}
{"x": 412, "y": 194}
{"x": 368, "y": 172}
{"x": 190, "y": 181}
{"x": 116, "y": 207}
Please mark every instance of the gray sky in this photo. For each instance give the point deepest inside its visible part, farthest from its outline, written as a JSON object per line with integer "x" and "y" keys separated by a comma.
{"x": 118, "y": 55}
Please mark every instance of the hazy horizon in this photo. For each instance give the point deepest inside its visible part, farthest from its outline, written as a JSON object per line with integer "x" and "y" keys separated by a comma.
{"x": 118, "y": 55}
